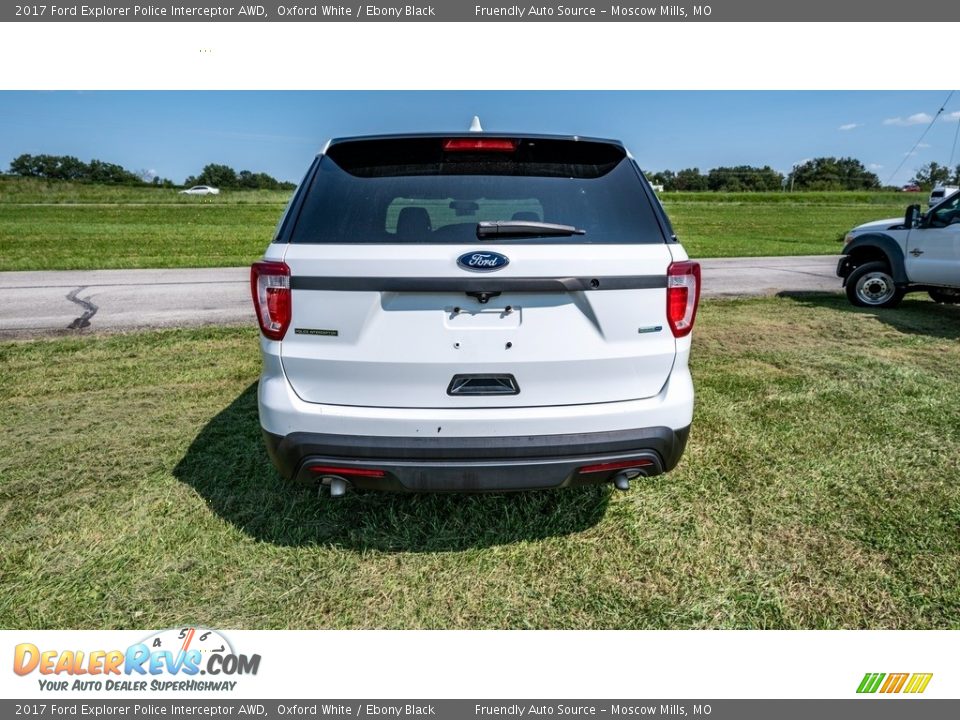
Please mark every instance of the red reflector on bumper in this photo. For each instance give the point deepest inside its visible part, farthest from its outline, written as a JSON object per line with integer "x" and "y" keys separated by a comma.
{"x": 356, "y": 472}
{"x": 620, "y": 465}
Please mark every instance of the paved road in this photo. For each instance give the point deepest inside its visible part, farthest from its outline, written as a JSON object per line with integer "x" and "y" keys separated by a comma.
{"x": 63, "y": 302}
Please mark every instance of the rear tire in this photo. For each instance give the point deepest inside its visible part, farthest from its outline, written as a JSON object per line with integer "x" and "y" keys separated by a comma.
{"x": 946, "y": 297}
{"x": 872, "y": 285}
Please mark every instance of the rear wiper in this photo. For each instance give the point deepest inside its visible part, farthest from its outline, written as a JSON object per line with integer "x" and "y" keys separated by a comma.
{"x": 524, "y": 228}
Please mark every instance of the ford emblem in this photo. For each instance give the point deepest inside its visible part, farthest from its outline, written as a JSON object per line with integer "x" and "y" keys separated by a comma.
{"x": 482, "y": 261}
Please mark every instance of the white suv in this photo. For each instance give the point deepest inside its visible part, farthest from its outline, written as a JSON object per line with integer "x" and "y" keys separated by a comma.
{"x": 474, "y": 312}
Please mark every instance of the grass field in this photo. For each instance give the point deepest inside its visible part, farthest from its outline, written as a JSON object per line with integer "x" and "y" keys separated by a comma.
{"x": 767, "y": 224}
{"x": 61, "y": 226}
{"x": 819, "y": 490}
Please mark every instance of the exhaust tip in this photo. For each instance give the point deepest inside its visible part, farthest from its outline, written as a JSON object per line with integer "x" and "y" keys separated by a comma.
{"x": 337, "y": 485}
{"x": 621, "y": 481}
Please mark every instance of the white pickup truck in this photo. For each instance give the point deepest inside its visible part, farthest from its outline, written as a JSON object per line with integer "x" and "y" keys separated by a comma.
{"x": 885, "y": 259}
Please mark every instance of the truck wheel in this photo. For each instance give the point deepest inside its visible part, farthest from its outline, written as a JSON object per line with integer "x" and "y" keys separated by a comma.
{"x": 947, "y": 297}
{"x": 872, "y": 285}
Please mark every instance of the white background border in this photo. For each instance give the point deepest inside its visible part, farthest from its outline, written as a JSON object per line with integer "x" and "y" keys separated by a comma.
{"x": 469, "y": 56}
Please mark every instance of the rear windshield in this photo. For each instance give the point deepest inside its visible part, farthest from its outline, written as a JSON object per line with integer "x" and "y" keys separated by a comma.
{"x": 416, "y": 191}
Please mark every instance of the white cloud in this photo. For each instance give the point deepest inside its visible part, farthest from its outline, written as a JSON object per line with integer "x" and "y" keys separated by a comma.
{"x": 850, "y": 126}
{"x": 874, "y": 166}
{"x": 952, "y": 117}
{"x": 915, "y": 119}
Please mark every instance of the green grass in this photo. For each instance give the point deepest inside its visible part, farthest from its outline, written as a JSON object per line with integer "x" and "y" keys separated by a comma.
{"x": 16, "y": 191}
{"x": 819, "y": 490}
{"x": 65, "y": 226}
{"x": 52, "y": 237}
{"x": 745, "y": 225}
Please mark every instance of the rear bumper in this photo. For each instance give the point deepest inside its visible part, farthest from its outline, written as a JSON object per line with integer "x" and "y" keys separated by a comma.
{"x": 474, "y": 464}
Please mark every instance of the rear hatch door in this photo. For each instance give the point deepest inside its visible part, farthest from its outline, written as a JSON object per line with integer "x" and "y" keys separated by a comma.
{"x": 406, "y": 295}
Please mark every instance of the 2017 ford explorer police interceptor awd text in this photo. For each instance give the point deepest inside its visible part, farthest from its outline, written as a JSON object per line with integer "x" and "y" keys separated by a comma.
{"x": 474, "y": 312}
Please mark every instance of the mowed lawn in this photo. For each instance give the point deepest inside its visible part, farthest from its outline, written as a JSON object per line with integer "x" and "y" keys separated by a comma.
{"x": 774, "y": 224}
{"x": 63, "y": 226}
{"x": 819, "y": 490}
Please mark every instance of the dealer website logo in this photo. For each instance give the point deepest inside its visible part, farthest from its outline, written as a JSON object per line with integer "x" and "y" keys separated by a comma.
{"x": 168, "y": 660}
{"x": 894, "y": 683}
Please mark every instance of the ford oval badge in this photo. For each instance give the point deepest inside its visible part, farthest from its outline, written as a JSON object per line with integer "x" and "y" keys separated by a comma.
{"x": 482, "y": 261}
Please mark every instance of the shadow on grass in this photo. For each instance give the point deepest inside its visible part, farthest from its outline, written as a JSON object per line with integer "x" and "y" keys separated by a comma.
{"x": 228, "y": 465}
{"x": 916, "y": 315}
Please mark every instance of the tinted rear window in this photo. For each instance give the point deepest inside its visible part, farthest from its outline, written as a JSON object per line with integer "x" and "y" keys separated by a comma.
{"x": 413, "y": 191}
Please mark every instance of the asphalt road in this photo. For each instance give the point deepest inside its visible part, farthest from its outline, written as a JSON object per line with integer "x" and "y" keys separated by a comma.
{"x": 69, "y": 301}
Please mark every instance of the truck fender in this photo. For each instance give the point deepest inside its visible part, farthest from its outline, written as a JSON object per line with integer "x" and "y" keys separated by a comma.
{"x": 885, "y": 244}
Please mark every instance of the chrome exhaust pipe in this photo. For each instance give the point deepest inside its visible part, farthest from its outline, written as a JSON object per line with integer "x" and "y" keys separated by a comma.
{"x": 337, "y": 485}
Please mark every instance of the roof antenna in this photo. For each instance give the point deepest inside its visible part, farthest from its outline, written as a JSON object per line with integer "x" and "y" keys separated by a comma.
{"x": 475, "y": 124}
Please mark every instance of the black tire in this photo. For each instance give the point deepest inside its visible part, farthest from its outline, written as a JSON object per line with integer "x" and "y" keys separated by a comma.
{"x": 872, "y": 285}
{"x": 947, "y": 297}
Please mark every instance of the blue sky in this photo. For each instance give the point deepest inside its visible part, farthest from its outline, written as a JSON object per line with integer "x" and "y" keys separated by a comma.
{"x": 175, "y": 133}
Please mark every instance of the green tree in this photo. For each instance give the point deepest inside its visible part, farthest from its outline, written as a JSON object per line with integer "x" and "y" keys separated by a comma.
{"x": 830, "y": 173}
{"x": 663, "y": 177}
{"x": 67, "y": 167}
{"x": 223, "y": 176}
{"x": 23, "y": 165}
{"x": 744, "y": 177}
{"x": 931, "y": 174}
{"x": 220, "y": 176}
{"x": 71, "y": 168}
{"x": 688, "y": 179}
{"x": 111, "y": 173}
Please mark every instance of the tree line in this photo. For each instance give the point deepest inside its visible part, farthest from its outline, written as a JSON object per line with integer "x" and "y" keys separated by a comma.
{"x": 224, "y": 176}
{"x": 67, "y": 167}
{"x": 823, "y": 173}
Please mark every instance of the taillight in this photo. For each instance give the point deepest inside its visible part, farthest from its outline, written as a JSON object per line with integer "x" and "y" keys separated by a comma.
{"x": 618, "y": 465}
{"x": 270, "y": 286}
{"x": 683, "y": 296}
{"x": 354, "y": 471}
{"x": 479, "y": 145}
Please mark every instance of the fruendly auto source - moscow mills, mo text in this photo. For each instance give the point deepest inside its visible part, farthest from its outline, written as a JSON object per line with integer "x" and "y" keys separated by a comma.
{"x": 574, "y": 11}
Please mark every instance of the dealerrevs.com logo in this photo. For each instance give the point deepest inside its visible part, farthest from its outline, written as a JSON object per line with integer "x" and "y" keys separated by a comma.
{"x": 168, "y": 660}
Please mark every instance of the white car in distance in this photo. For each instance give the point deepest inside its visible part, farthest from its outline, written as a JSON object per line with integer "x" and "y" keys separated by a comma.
{"x": 201, "y": 190}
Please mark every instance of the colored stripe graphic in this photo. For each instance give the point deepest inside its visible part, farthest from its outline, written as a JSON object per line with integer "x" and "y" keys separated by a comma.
{"x": 870, "y": 682}
{"x": 894, "y": 683}
{"x": 918, "y": 683}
